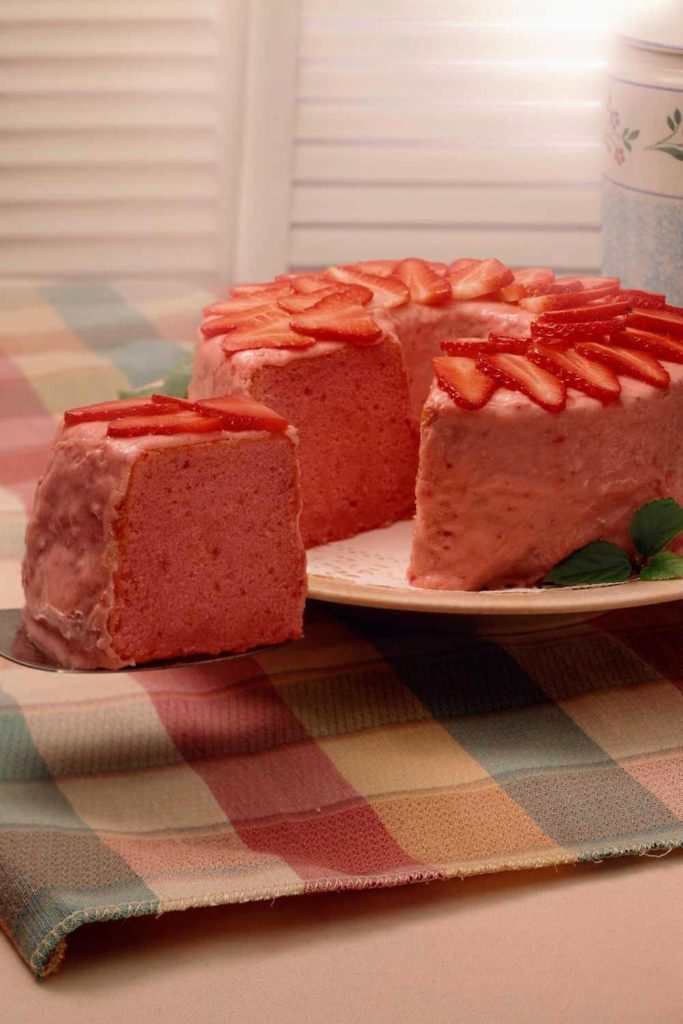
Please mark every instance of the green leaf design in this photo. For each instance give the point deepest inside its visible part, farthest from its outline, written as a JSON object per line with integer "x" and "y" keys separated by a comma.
{"x": 597, "y": 562}
{"x": 135, "y": 393}
{"x": 176, "y": 381}
{"x": 627, "y": 144}
{"x": 677, "y": 154}
{"x": 665, "y": 565}
{"x": 677, "y": 116}
{"x": 655, "y": 525}
{"x": 635, "y": 133}
{"x": 671, "y": 124}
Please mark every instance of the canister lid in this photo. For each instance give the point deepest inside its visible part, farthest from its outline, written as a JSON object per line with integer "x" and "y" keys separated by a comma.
{"x": 656, "y": 26}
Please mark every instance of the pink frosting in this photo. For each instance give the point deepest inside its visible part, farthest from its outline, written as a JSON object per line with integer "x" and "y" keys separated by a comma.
{"x": 532, "y": 486}
{"x": 70, "y": 561}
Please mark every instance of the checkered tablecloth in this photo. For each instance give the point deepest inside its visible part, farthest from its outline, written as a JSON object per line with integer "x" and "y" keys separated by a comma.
{"x": 380, "y": 750}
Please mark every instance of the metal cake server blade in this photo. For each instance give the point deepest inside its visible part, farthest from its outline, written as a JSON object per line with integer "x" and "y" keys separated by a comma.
{"x": 16, "y": 646}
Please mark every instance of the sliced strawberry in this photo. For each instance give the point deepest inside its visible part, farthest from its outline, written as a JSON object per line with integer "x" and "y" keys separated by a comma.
{"x": 438, "y": 267}
{"x": 575, "y": 370}
{"x": 661, "y": 321}
{"x": 169, "y": 402}
{"x": 226, "y": 307}
{"x": 559, "y": 286}
{"x": 567, "y": 334}
{"x": 381, "y": 268}
{"x": 627, "y": 361}
{"x": 387, "y": 291}
{"x": 306, "y": 283}
{"x": 661, "y": 345}
{"x": 462, "y": 381}
{"x": 463, "y": 346}
{"x": 338, "y": 318}
{"x": 551, "y": 301}
{"x": 526, "y": 281}
{"x": 213, "y": 326}
{"x": 268, "y": 329}
{"x": 425, "y": 285}
{"x": 472, "y": 278}
{"x": 517, "y": 373}
{"x": 266, "y": 290}
{"x": 163, "y": 423}
{"x": 353, "y": 292}
{"x": 588, "y": 284}
{"x": 241, "y": 412}
{"x": 102, "y": 412}
{"x": 600, "y": 310}
{"x": 644, "y": 300}
{"x": 506, "y": 343}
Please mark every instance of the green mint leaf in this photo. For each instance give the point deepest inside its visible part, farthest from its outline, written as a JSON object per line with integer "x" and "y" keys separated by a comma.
{"x": 671, "y": 124}
{"x": 177, "y": 379}
{"x": 135, "y": 393}
{"x": 677, "y": 116}
{"x": 598, "y": 562}
{"x": 665, "y": 565}
{"x": 655, "y": 525}
{"x": 635, "y": 134}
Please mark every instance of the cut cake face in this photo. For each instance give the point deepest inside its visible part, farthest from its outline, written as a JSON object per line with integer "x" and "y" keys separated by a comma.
{"x": 163, "y": 530}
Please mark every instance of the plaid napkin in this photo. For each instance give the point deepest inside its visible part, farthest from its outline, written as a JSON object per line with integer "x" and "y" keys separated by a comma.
{"x": 380, "y": 750}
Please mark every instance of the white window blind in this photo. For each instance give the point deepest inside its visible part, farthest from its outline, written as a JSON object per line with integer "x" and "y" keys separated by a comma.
{"x": 226, "y": 139}
{"x": 124, "y": 142}
{"x": 447, "y": 128}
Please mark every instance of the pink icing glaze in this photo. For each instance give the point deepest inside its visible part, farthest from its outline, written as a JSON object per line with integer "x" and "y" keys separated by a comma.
{"x": 73, "y": 550}
{"x": 506, "y": 492}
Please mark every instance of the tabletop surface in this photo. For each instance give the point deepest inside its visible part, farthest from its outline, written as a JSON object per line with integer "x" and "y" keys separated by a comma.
{"x": 594, "y": 943}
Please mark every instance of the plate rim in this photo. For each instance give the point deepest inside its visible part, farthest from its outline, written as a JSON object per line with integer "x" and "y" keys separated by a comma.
{"x": 521, "y": 601}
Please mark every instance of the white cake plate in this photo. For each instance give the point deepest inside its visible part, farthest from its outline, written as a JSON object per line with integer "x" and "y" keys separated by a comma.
{"x": 370, "y": 570}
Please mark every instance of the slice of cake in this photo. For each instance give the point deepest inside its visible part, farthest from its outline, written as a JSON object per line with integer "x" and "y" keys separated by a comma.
{"x": 336, "y": 372}
{"x": 162, "y": 529}
{"x": 532, "y": 448}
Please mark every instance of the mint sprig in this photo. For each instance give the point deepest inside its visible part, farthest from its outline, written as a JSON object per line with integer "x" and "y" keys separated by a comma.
{"x": 653, "y": 526}
{"x": 176, "y": 381}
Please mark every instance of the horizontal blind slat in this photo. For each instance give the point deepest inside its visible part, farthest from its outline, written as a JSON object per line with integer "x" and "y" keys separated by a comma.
{"x": 93, "y": 220}
{"x": 444, "y": 41}
{"x": 65, "y": 257}
{"x": 558, "y": 248}
{"x": 110, "y": 184}
{"x": 105, "y": 10}
{"x": 501, "y": 11}
{"x": 76, "y": 148}
{"x": 357, "y": 205}
{"x": 180, "y": 75}
{"x": 506, "y": 124}
{"x": 446, "y": 164}
{"x": 484, "y": 81}
{"x": 60, "y": 113}
{"x": 66, "y": 42}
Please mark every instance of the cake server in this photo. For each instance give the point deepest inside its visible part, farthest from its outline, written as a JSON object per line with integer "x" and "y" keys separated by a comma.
{"x": 16, "y": 646}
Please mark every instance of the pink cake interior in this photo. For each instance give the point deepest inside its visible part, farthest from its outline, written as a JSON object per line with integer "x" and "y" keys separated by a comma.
{"x": 209, "y": 558}
{"x": 421, "y": 329}
{"x": 360, "y": 474}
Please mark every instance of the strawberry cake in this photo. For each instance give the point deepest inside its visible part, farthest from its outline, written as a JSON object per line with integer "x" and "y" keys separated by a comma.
{"x": 554, "y": 412}
{"x": 164, "y": 528}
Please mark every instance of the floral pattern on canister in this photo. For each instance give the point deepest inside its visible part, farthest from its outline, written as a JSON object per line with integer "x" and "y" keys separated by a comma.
{"x": 617, "y": 142}
{"x": 671, "y": 144}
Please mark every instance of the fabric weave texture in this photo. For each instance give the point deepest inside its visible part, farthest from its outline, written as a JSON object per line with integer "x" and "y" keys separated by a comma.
{"x": 380, "y": 750}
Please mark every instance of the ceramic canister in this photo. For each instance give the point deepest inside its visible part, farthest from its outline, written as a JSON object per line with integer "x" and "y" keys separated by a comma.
{"x": 643, "y": 160}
